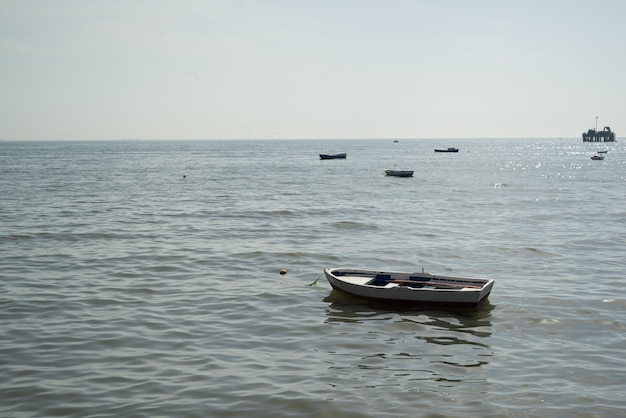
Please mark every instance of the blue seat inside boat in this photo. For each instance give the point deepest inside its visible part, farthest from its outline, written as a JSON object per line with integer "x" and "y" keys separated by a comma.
{"x": 380, "y": 279}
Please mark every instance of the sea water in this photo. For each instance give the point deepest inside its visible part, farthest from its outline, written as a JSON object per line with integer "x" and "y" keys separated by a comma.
{"x": 142, "y": 278}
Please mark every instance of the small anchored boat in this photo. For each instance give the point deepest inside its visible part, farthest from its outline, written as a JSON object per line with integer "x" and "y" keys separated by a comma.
{"x": 416, "y": 288}
{"x": 449, "y": 149}
{"x": 333, "y": 156}
{"x": 399, "y": 173}
{"x": 597, "y": 157}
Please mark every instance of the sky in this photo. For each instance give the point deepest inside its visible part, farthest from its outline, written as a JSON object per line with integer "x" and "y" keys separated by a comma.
{"x": 310, "y": 69}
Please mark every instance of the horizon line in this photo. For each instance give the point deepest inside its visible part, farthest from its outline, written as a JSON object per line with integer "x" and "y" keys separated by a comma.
{"x": 288, "y": 139}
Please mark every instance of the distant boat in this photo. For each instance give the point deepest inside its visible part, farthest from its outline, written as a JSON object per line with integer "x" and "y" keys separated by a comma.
{"x": 333, "y": 156}
{"x": 597, "y": 157}
{"x": 449, "y": 149}
{"x": 395, "y": 140}
{"x": 399, "y": 173}
{"x": 593, "y": 135}
{"x": 416, "y": 288}
{"x": 603, "y": 152}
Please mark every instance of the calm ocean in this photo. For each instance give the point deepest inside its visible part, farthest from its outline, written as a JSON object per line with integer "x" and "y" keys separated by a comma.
{"x": 141, "y": 279}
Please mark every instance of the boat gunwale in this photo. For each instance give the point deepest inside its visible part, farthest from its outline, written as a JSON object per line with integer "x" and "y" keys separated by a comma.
{"x": 373, "y": 273}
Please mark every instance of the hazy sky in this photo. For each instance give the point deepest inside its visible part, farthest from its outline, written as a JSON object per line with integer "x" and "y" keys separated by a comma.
{"x": 222, "y": 69}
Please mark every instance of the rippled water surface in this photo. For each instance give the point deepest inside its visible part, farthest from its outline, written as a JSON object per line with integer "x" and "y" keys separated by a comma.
{"x": 141, "y": 279}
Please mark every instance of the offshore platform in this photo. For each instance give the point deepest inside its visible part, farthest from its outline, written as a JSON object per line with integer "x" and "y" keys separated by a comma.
{"x": 593, "y": 135}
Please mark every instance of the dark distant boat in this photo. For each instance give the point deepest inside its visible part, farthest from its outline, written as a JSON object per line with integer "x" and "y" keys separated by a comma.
{"x": 603, "y": 152}
{"x": 399, "y": 173}
{"x": 597, "y": 157}
{"x": 416, "y": 288}
{"x": 333, "y": 156}
{"x": 449, "y": 149}
{"x": 594, "y": 135}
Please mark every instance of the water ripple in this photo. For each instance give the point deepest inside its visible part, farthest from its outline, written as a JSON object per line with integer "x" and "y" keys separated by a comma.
{"x": 129, "y": 291}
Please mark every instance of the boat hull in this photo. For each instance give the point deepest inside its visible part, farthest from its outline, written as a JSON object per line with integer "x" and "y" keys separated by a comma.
{"x": 412, "y": 288}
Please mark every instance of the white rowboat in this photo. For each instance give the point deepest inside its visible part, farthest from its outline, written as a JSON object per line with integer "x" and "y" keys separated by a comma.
{"x": 417, "y": 288}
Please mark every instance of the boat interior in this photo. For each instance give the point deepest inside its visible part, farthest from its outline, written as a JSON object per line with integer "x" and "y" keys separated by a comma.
{"x": 409, "y": 280}
{"x": 421, "y": 281}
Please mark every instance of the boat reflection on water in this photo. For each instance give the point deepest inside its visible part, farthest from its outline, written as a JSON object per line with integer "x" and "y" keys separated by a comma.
{"x": 344, "y": 307}
{"x": 431, "y": 344}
